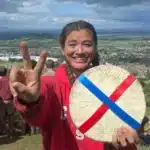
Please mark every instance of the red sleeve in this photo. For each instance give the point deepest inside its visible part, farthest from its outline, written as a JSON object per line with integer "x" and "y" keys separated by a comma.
{"x": 40, "y": 114}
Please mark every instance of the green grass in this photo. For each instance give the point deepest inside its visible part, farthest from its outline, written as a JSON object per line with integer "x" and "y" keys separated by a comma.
{"x": 22, "y": 143}
{"x": 148, "y": 111}
{"x": 30, "y": 143}
{"x": 144, "y": 148}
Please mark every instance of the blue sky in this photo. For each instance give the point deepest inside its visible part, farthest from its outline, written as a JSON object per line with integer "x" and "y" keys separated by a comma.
{"x": 49, "y": 14}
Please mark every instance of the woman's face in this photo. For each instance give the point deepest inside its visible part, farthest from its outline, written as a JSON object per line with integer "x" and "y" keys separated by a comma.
{"x": 79, "y": 49}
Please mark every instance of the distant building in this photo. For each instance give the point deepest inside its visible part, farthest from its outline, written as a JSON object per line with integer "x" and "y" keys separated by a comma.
{"x": 6, "y": 58}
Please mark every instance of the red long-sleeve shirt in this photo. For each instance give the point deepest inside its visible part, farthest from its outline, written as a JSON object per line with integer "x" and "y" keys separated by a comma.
{"x": 58, "y": 133}
{"x": 5, "y": 93}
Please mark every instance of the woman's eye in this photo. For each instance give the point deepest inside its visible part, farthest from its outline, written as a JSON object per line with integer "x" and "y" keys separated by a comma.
{"x": 88, "y": 45}
{"x": 72, "y": 45}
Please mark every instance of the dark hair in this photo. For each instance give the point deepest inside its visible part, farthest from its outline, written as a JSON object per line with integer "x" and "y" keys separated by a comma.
{"x": 56, "y": 64}
{"x": 50, "y": 63}
{"x": 78, "y": 25}
{"x": 3, "y": 71}
{"x": 95, "y": 61}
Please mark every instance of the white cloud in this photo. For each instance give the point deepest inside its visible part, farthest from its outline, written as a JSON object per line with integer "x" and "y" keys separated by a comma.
{"x": 55, "y": 13}
{"x": 28, "y": 8}
{"x": 106, "y": 3}
{"x": 27, "y": 4}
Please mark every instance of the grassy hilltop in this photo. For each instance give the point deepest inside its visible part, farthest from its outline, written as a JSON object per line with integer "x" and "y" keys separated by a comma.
{"x": 133, "y": 53}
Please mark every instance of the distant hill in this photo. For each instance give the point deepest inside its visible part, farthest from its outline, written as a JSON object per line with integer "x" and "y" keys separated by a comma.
{"x": 30, "y": 36}
{"x": 6, "y": 34}
{"x": 10, "y": 35}
{"x": 124, "y": 32}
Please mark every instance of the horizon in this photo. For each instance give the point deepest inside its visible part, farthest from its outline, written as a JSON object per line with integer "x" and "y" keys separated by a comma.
{"x": 40, "y": 34}
{"x": 59, "y": 30}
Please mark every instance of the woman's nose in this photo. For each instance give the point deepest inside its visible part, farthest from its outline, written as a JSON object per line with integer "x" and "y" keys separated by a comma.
{"x": 79, "y": 49}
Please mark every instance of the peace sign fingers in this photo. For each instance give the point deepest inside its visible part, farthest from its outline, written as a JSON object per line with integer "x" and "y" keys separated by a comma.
{"x": 41, "y": 63}
{"x": 25, "y": 55}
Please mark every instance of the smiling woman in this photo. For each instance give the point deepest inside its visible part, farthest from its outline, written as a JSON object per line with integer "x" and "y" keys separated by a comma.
{"x": 44, "y": 101}
{"x": 78, "y": 42}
